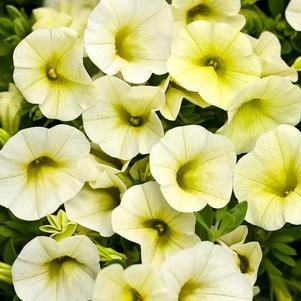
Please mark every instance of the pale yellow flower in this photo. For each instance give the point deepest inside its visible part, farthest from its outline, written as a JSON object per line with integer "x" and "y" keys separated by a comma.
{"x": 194, "y": 168}
{"x": 293, "y": 14}
{"x": 41, "y": 169}
{"x": 126, "y": 116}
{"x": 63, "y": 270}
{"x": 10, "y": 104}
{"x": 213, "y": 59}
{"x": 268, "y": 48}
{"x": 131, "y": 36}
{"x": 145, "y": 218}
{"x": 137, "y": 282}
{"x": 269, "y": 179}
{"x": 188, "y": 11}
{"x": 49, "y": 71}
{"x": 174, "y": 95}
{"x": 205, "y": 272}
{"x": 247, "y": 255}
{"x": 259, "y": 108}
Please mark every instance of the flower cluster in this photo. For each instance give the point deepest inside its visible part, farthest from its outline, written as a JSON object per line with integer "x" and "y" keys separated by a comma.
{"x": 136, "y": 139}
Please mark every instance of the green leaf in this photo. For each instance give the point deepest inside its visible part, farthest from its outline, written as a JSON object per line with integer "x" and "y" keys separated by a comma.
{"x": 285, "y": 258}
{"x": 233, "y": 218}
{"x": 9, "y": 252}
{"x": 19, "y": 28}
{"x": 13, "y": 12}
{"x": 276, "y": 7}
{"x": 284, "y": 249}
{"x": 270, "y": 267}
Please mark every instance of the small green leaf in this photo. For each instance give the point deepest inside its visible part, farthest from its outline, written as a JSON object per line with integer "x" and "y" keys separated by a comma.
{"x": 284, "y": 249}
{"x": 276, "y": 7}
{"x": 270, "y": 267}
{"x": 13, "y": 12}
{"x": 9, "y": 252}
{"x": 233, "y": 218}
{"x": 285, "y": 258}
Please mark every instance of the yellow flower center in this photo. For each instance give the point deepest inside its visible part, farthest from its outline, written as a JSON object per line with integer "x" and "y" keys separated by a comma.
{"x": 136, "y": 121}
{"x": 158, "y": 225}
{"x": 185, "y": 175}
{"x": 197, "y": 13}
{"x": 244, "y": 264}
{"x": 41, "y": 162}
{"x": 51, "y": 73}
{"x": 187, "y": 290}
{"x": 124, "y": 47}
{"x": 60, "y": 263}
{"x": 135, "y": 295}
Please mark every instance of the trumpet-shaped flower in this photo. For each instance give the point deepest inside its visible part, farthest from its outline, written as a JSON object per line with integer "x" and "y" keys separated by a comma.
{"x": 123, "y": 122}
{"x": 205, "y": 272}
{"x": 269, "y": 179}
{"x": 293, "y": 14}
{"x": 10, "y": 104}
{"x": 63, "y": 270}
{"x": 188, "y": 11}
{"x": 131, "y": 36}
{"x": 247, "y": 255}
{"x": 259, "y": 108}
{"x": 194, "y": 168}
{"x": 41, "y": 169}
{"x": 49, "y": 18}
{"x": 76, "y": 11}
{"x": 174, "y": 95}
{"x": 49, "y": 71}
{"x": 213, "y": 59}
{"x": 92, "y": 207}
{"x": 268, "y": 48}
{"x": 137, "y": 282}
{"x": 145, "y": 218}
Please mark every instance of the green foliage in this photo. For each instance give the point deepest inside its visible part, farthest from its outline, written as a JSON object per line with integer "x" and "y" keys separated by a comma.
{"x": 214, "y": 224}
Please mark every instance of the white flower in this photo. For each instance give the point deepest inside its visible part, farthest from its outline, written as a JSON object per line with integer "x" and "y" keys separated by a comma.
{"x": 131, "y": 36}
{"x": 269, "y": 179}
{"x": 41, "y": 169}
{"x": 126, "y": 118}
{"x": 293, "y": 14}
{"x": 137, "y": 282}
{"x": 213, "y": 59}
{"x": 259, "y": 108}
{"x": 92, "y": 207}
{"x": 174, "y": 95}
{"x": 49, "y": 71}
{"x": 247, "y": 255}
{"x": 188, "y": 11}
{"x": 10, "y": 104}
{"x": 63, "y": 270}
{"x": 145, "y": 218}
{"x": 268, "y": 48}
{"x": 205, "y": 272}
{"x": 194, "y": 168}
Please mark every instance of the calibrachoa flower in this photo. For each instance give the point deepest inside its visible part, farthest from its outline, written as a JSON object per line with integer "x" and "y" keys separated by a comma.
{"x": 268, "y": 48}
{"x": 78, "y": 11}
{"x": 41, "y": 169}
{"x": 259, "y": 108}
{"x": 49, "y": 71}
{"x": 247, "y": 255}
{"x": 214, "y": 59}
{"x": 205, "y": 272}
{"x": 136, "y": 283}
{"x": 269, "y": 179}
{"x": 188, "y": 11}
{"x": 10, "y": 104}
{"x": 174, "y": 95}
{"x": 123, "y": 122}
{"x": 92, "y": 207}
{"x": 63, "y": 270}
{"x": 293, "y": 14}
{"x": 131, "y": 36}
{"x": 194, "y": 168}
{"x": 145, "y": 218}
